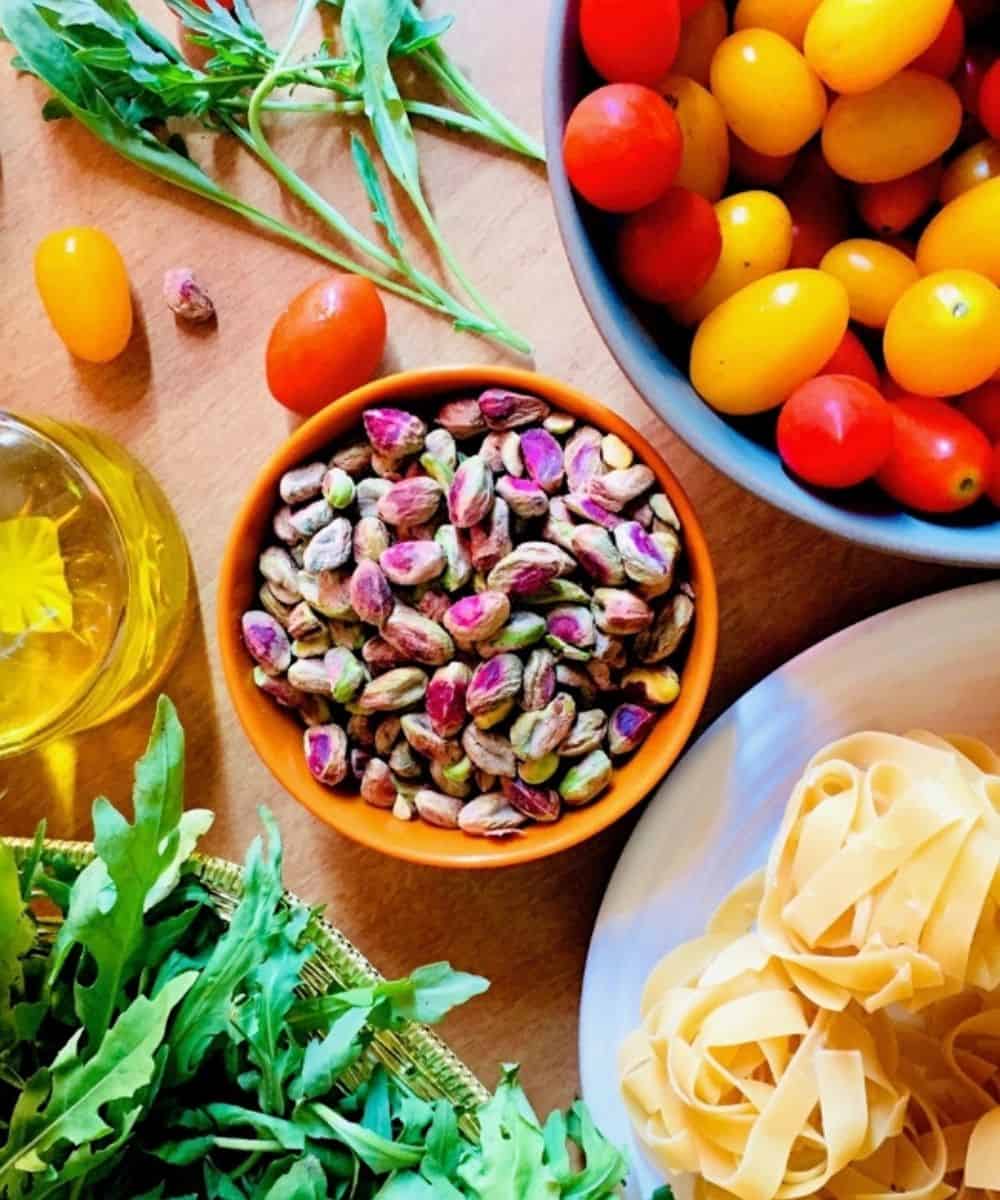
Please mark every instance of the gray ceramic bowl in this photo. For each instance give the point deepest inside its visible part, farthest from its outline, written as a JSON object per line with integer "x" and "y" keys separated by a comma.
{"x": 744, "y": 452}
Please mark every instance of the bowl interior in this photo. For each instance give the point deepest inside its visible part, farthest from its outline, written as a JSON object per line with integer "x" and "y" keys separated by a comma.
{"x": 648, "y": 349}
{"x": 277, "y": 736}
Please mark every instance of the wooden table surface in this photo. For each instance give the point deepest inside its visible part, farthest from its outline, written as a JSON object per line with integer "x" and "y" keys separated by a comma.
{"x": 194, "y": 407}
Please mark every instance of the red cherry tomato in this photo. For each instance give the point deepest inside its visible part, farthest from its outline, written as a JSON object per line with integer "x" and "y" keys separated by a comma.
{"x": 834, "y": 431}
{"x": 762, "y": 170}
{"x": 889, "y": 208}
{"x": 939, "y": 462}
{"x": 989, "y": 100}
{"x": 942, "y": 56}
{"x": 630, "y": 41}
{"x": 622, "y": 147}
{"x": 689, "y": 7}
{"x": 993, "y": 487}
{"x": 328, "y": 341}
{"x": 968, "y": 80}
{"x": 851, "y": 358}
{"x": 667, "y": 251}
{"x": 816, "y": 200}
{"x": 982, "y": 407}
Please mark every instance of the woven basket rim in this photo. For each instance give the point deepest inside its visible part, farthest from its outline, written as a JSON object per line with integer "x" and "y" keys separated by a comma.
{"x": 416, "y": 1054}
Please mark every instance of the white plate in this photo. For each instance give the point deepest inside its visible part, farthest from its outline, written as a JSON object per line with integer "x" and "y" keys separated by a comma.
{"x": 933, "y": 664}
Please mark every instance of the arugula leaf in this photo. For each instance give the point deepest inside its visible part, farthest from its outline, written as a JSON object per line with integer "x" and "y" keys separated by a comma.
{"x": 136, "y": 867}
{"x": 379, "y": 1153}
{"x": 326, "y": 1059}
{"x": 305, "y": 1181}
{"x": 606, "y": 1167}
{"x": 32, "y": 862}
{"x": 381, "y": 212}
{"x": 17, "y": 935}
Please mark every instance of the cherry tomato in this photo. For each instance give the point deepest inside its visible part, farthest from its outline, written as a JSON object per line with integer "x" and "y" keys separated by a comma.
{"x": 982, "y": 407}
{"x": 965, "y": 233}
{"x": 816, "y": 200}
{"x": 976, "y": 11}
{"x": 328, "y": 341}
{"x": 898, "y": 127}
{"x": 993, "y": 487}
{"x": 857, "y": 45}
{"x": 943, "y": 334}
{"x": 942, "y": 56}
{"x": 630, "y": 41}
{"x": 705, "y": 164}
{"x": 756, "y": 348}
{"x": 759, "y": 170}
{"x": 622, "y": 147}
{"x": 756, "y": 241}
{"x": 755, "y": 75}
{"x": 893, "y": 206}
{"x": 701, "y": 34}
{"x": 666, "y": 252}
{"x": 875, "y": 276}
{"x": 83, "y": 284}
{"x": 979, "y": 164}
{"x": 851, "y": 358}
{"x": 939, "y": 461}
{"x": 968, "y": 80}
{"x": 989, "y": 100}
{"x": 690, "y": 7}
{"x": 787, "y": 17}
{"x": 835, "y": 431}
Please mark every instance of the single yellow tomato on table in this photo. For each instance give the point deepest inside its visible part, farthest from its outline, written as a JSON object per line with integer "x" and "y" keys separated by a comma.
{"x": 756, "y": 232}
{"x": 773, "y": 100}
{"x": 943, "y": 335}
{"x": 786, "y": 17}
{"x": 83, "y": 284}
{"x": 705, "y": 165}
{"x": 979, "y": 164}
{"x": 965, "y": 233}
{"x": 875, "y": 275}
{"x": 754, "y": 350}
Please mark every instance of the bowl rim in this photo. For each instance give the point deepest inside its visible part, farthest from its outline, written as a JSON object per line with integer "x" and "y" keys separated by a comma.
{"x": 255, "y": 712}
{"x": 642, "y": 360}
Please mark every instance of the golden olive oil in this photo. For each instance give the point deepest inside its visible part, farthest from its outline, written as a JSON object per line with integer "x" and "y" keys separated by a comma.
{"x": 93, "y": 580}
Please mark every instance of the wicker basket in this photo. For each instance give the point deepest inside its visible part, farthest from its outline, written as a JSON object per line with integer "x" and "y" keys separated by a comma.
{"x": 415, "y": 1054}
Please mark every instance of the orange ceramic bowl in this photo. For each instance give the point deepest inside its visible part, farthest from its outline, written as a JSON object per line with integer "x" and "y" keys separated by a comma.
{"x": 276, "y": 734}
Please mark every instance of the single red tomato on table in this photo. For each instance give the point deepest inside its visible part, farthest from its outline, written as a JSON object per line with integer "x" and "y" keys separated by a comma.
{"x": 942, "y": 56}
{"x": 328, "y": 341}
{"x": 630, "y": 41}
{"x": 622, "y": 147}
{"x": 989, "y": 100}
{"x": 666, "y": 252}
{"x": 851, "y": 358}
{"x": 816, "y": 199}
{"x": 939, "y": 462}
{"x": 889, "y": 208}
{"x": 835, "y": 431}
{"x": 982, "y": 407}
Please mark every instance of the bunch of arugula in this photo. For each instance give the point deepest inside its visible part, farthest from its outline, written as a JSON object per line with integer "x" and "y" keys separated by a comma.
{"x": 150, "y": 1049}
{"x": 121, "y": 78}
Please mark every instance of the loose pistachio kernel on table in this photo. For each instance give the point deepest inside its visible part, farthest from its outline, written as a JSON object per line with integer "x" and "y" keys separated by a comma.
{"x": 476, "y": 616}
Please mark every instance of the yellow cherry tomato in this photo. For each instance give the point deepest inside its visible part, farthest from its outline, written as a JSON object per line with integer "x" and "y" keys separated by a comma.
{"x": 705, "y": 165}
{"x": 701, "y": 34}
{"x": 754, "y": 350}
{"x": 756, "y": 241}
{"x": 772, "y": 98}
{"x": 979, "y": 164}
{"x": 943, "y": 335}
{"x": 893, "y": 130}
{"x": 787, "y": 17}
{"x": 855, "y": 45}
{"x": 965, "y": 233}
{"x": 875, "y": 275}
{"x": 83, "y": 284}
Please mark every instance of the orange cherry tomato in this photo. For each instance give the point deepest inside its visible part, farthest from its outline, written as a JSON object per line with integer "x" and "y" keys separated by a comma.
{"x": 83, "y": 284}
{"x": 622, "y": 147}
{"x": 328, "y": 341}
{"x": 851, "y": 358}
{"x": 965, "y": 233}
{"x": 898, "y": 127}
{"x": 891, "y": 207}
{"x": 757, "y": 75}
{"x": 757, "y": 347}
{"x": 875, "y": 276}
{"x": 816, "y": 200}
{"x": 835, "y": 431}
{"x": 943, "y": 334}
{"x": 701, "y": 34}
{"x": 989, "y": 100}
{"x": 666, "y": 252}
{"x": 939, "y": 461}
{"x": 979, "y": 164}
{"x": 982, "y": 407}
{"x": 630, "y": 41}
{"x": 759, "y": 170}
{"x": 942, "y": 56}
{"x": 786, "y": 17}
{"x": 705, "y": 162}
{"x": 993, "y": 486}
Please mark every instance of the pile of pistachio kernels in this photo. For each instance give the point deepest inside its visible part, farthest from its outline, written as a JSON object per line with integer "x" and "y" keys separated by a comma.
{"x": 473, "y": 620}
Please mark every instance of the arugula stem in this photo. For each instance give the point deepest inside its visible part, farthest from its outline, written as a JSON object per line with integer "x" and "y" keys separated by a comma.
{"x": 255, "y": 1145}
